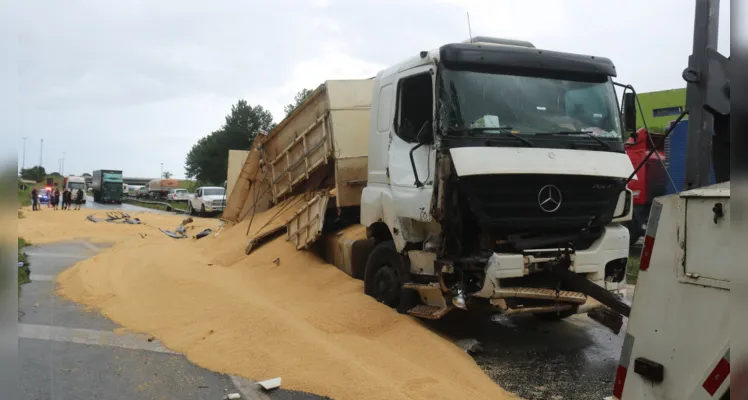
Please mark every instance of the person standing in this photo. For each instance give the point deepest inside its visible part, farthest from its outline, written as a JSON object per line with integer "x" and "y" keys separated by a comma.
{"x": 65, "y": 199}
{"x": 56, "y": 198}
{"x": 34, "y": 199}
{"x": 78, "y": 199}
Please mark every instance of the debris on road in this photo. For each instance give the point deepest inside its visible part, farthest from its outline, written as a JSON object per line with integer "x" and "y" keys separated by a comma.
{"x": 270, "y": 384}
{"x": 471, "y": 346}
{"x": 233, "y": 396}
{"x": 115, "y": 216}
{"x": 180, "y": 232}
{"x": 203, "y": 234}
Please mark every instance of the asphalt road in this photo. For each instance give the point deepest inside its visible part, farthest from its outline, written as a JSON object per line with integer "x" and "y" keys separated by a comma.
{"x": 129, "y": 208}
{"x": 571, "y": 359}
{"x": 68, "y": 353}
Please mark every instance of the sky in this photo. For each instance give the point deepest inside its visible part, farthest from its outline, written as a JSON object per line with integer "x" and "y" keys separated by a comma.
{"x": 132, "y": 84}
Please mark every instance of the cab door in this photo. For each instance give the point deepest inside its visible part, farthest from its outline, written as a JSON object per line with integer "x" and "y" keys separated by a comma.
{"x": 411, "y": 182}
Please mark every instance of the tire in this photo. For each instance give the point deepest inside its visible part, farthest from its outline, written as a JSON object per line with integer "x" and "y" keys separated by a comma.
{"x": 202, "y": 211}
{"x": 386, "y": 271}
{"x": 556, "y": 316}
{"x": 190, "y": 211}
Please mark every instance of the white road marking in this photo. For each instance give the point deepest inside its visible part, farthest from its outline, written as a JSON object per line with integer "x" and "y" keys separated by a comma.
{"x": 58, "y": 255}
{"x": 90, "y": 246}
{"x": 90, "y": 336}
{"x": 41, "y": 277}
{"x": 134, "y": 341}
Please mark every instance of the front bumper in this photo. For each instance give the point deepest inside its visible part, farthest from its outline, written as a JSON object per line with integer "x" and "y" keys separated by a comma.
{"x": 611, "y": 247}
{"x": 211, "y": 208}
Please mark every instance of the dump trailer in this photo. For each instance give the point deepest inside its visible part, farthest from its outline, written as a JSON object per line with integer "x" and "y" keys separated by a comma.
{"x": 107, "y": 186}
{"x": 484, "y": 174}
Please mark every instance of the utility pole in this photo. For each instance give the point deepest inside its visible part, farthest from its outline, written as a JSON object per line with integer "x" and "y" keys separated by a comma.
{"x": 62, "y": 167}
{"x": 41, "y": 149}
{"x": 162, "y": 171}
{"x": 23, "y": 163}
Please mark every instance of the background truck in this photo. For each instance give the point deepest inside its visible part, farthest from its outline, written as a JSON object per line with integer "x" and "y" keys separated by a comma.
{"x": 207, "y": 200}
{"x": 73, "y": 183}
{"x": 107, "y": 186}
{"x": 479, "y": 174}
{"x": 159, "y": 188}
{"x": 651, "y": 179}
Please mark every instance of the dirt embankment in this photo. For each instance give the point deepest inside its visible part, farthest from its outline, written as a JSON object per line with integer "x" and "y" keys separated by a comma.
{"x": 277, "y": 312}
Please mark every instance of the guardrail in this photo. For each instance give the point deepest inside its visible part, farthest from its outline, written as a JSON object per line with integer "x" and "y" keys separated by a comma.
{"x": 168, "y": 206}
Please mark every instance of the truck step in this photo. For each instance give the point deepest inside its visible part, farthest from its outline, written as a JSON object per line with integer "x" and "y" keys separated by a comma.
{"x": 422, "y": 286}
{"x": 429, "y": 312}
{"x": 540, "y": 293}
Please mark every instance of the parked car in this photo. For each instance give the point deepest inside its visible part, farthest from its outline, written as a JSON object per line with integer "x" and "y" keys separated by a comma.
{"x": 178, "y": 195}
{"x": 206, "y": 200}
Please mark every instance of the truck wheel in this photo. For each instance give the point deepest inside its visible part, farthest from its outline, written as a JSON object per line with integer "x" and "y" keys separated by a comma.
{"x": 385, "y": 274}
{"x": 202, "y": 211}
{"x": 556, "y": 316}
{"x": 190, "y": 211}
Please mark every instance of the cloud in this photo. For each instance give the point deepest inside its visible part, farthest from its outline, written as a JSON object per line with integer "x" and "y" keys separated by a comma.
{"x": 132, "y": 84}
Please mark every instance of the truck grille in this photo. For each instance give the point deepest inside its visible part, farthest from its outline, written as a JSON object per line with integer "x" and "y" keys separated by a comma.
{"x": 510, "y": 203}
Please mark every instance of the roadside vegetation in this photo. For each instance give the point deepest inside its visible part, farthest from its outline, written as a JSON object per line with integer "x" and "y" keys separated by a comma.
{"x": 23, "y": 270}
{"x": 161, "y": 205}
{"x": 632, "y": 269}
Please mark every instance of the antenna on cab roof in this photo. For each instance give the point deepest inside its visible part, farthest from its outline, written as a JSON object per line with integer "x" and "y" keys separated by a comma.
{"x": 470, "y": 31}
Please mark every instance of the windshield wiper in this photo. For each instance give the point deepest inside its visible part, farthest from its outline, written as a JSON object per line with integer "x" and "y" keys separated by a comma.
{"x": 586, "y": 133}
{"x": 504, "y": 131}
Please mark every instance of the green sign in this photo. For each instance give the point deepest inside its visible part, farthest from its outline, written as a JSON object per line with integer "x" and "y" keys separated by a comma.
{"x": 110, "y": 177}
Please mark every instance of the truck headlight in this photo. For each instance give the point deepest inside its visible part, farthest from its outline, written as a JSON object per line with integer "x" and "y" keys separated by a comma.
{"x": 623, "y": 206}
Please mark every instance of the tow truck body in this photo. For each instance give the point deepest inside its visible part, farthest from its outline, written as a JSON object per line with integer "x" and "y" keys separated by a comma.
{"x": 677, "y": 343}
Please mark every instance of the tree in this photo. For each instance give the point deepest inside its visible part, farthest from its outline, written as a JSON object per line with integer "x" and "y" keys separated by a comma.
{"x": 167, "y": 175}
{"x": 208, "y": 158}
{"x": 54, "y": 174}
{"x": 86, "y": 175}
{"x": 297, "y": 100}
{"x": 36, "y": 174}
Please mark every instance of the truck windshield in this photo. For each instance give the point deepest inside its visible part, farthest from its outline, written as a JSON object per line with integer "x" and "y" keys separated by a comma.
{"x": 525, "y": 105}
{"x": 76, "y": 185}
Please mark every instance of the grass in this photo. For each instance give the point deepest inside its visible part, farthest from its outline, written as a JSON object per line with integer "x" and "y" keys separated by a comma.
{"x": 182, "y": 205}
{"x": 24, "y": 196}
{"x": 632, "y": 269}
{"x": 24, "y": 272}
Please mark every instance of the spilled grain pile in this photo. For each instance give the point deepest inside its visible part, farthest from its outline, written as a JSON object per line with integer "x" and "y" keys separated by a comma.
{"x": 277, "y": 312}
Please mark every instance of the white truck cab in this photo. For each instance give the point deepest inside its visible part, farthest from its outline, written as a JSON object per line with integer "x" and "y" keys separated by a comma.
{"x": 73, "y": 183}
{"x": 487, "y": 163}
{"x": 206, "y": 200}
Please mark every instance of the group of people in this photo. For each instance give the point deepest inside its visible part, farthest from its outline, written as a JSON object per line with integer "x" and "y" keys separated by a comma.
{"x": 71, "y": 199}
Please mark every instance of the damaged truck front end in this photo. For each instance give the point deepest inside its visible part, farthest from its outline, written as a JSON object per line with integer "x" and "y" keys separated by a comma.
{"x": 514, "y": 179}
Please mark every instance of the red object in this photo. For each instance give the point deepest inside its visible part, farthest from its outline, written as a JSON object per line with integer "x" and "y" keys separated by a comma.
{"x": 649, "y": 242}
{"x": 651, "y": 176}
{"x": 620, "y": 381}
{"x": 718, "y": 375}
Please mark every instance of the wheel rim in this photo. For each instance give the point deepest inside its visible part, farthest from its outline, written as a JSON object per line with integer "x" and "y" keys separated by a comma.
{"x": 386, "y": 285}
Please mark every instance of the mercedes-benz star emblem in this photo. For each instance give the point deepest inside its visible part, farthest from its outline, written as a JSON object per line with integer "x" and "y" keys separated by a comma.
{"x": 549, "y": 198}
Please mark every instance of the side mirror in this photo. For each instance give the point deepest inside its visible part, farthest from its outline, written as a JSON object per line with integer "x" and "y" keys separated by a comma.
{"x": 629, "y": 112}
{"x": 425, "y": 135}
